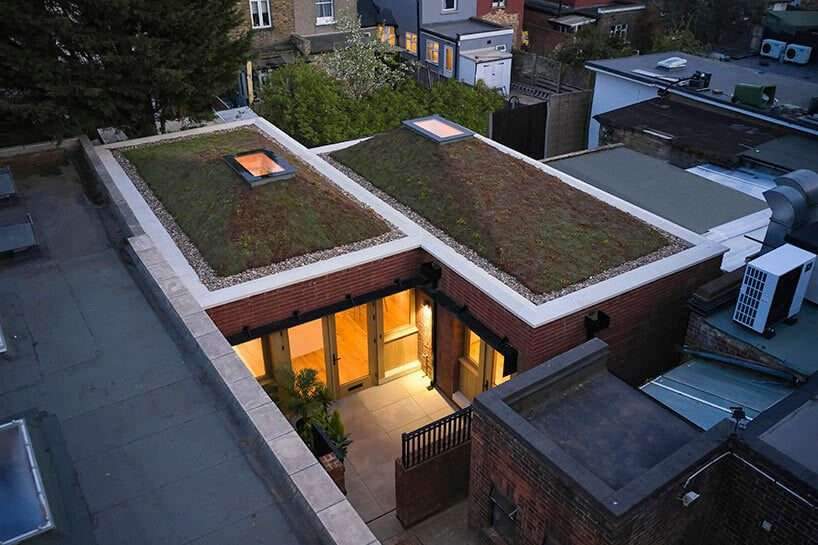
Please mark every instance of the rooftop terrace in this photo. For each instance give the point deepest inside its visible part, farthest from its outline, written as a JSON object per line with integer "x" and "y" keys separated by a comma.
{"x": 134, "y": 446}
{"x": 530, "y": 225}
{"x": 223, "y": 223}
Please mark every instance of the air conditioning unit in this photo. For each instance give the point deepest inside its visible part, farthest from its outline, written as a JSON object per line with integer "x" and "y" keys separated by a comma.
{"x": 773, "y": 49}
{"x": 773, "y": 288}
{"x": 798, "y": 54}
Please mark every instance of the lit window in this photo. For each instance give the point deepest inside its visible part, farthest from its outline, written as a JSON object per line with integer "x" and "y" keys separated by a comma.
{"x": 398, "y": 311}
{"x": 260, "y": 13}
{"x": 472, "y": 346}
{"x": 411, "y": 44}
{"x": 432, "y": 52}
{"x": 252, "y": 355}
{"x": 620, "y": 31}
{"x": 324, "y": 12}
{"x": 497, "y": 370}
{"x": 449, "y": 5}
{"x": 386, "y": 34}
{"x": 448, "y": 59}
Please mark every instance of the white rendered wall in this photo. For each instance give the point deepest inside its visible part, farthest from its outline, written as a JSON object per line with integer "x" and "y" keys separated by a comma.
{"x": 611, "y": 93}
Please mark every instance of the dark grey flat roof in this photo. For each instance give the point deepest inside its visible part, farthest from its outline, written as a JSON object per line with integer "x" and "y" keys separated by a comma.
{"x": 789, "y": 90}
{"x": 787, "y": 153}
{"x": 659, "y": 187}
{"x": 455, "y": 29}
{"x": 797, "y": 436}
{"x": 615, "y": 431}
{"x": 793, "y": 345}
{"x": 150, "y": 446}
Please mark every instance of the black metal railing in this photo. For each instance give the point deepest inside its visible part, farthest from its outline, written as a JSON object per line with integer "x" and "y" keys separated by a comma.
{"x": 435, "y": 438}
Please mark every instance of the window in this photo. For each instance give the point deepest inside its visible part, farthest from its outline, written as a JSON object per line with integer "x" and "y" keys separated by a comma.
{"x": 398, "y": 312}
{"x": 497, "y": 365}
{"x": 448, "y": 59}
{"x": 620, "y": 31}
{"x": 324, "y": 12}
{"x": 498, "y": 3}
{"x": 252, "y": 354}
{"x": 411, "y": 42}
{"x": 449, "y": 5}
{"x": 472, "y": 346}
{"x": 432, "y": 52}
{"x": 386, "y": 34}
{"x": 260, "y": 13}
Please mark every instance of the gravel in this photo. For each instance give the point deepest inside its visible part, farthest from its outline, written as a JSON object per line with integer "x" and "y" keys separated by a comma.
{"x": 674, "y": 246}
{"x": 207, "y": 275}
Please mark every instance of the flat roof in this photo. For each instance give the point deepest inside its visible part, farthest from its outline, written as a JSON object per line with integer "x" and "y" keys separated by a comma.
{"x": 233, "y": 227}
{"x": 796, "y": 435}
{"x": 456, "y": 29}
{"x": 793, "y": 345}
{"x": 134, "y": 446}
{"x": 716, "y": 136}
{"x": 411, "y": 232}
{"x": 612, "y": 429}
{"x": 530, "y": 225}
{"x": 789, "y": 90}
{"x": 704, "y": 391}
{"x": 668, "y": 191}
{"x": 787, "y": 153}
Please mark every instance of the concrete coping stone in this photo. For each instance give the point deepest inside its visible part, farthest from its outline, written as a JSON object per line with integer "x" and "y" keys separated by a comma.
{"x": 326, "y": 508}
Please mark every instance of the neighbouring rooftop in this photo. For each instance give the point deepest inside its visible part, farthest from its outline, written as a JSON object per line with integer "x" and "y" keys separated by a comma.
{"x": 692, "y": 127}
{"x": 793, "y": 346}
{"x": 528, "y": 224}
{"x": 790, "y": 89}
{"x": 704, "y": 391}
{"x": 688, "y": 200}
{"x": 236, "y": 227}
{"x": 456, "y": 29}
{"x": 785, "y": 154}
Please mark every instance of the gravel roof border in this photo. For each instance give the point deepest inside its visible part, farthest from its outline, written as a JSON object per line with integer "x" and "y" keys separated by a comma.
{"x": 674, "y": 246}
{"x": 207, "y": 275}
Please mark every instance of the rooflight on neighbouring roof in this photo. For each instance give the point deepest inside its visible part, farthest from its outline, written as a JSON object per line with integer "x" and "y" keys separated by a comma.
{"x": 24, "y": 508}
{"x": 438, "y": 129}
{"x": 672, "y": 63}
{"x": 259, "y": 167}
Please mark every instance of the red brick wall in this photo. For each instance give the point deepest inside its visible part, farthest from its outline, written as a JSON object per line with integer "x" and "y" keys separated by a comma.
{"x": 550, "y": 510}
{"x": 449, "y": 347}
{"x": 277, "y": 305}
{"x": 749, "y": 498}
{"x": 646, "y": 331}
{"x": 512, "y": 6}
{"x": 432, "y": 486}
{"x": 542, "y": 38}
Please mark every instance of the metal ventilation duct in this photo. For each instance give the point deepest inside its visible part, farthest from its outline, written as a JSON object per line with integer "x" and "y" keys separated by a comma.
{"x": 806, "y": 182}
{"x": 789, "y": 208}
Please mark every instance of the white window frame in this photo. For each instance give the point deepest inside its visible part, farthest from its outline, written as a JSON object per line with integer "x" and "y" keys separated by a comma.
{"x": 619, "y": 30}
{"x": 426, "y": 52}
{"x": 328, "y": 20}
{"x": 498, "y": 3}
{"x": 451, "y": 9}
{"x": 259, "y": 4}
{"x": 414, "y": 41}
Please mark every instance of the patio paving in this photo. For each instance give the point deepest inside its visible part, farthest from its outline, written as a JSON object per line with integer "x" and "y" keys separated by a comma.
{"x": 375, "y": 419}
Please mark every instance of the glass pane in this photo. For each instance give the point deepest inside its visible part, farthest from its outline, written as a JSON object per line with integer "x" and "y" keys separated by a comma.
{"x": 497, "y": 373}
{"x": 307, "y": 348}
{"x": 397, "y": 311}
{"x": 353, "y": 349}
{"x": 400, "y": 352}
{"x": 473, "y": 346}
{"x": 252, "y": 355}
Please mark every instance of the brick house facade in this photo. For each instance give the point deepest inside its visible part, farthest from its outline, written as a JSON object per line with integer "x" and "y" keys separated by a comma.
{"x": 508, "y": 13}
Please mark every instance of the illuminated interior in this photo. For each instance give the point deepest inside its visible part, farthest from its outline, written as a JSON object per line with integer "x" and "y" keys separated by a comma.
{"x": 258, "y": 163}
{"x": 400, "y": 346}
{"x": 439, "y": 128}
{"x": 497, "y": 377}
{"x": 252, "y": 355}
{"x": 307, "y": 348}
{"x": 353, "y": 349}
{"x": 473, "y": 348}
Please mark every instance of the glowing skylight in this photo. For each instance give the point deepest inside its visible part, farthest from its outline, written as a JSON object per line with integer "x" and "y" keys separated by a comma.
{"x": 259, "y": 167}
{"x": 438, "y": 129}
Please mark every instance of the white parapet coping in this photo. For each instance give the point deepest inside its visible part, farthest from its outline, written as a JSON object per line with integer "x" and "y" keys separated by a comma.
{"x": 702, "y": 248}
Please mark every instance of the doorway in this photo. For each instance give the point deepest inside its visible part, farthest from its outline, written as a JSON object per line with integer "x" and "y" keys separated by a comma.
{"x": 353, "y": 349}
{"x": 481, "y": 366}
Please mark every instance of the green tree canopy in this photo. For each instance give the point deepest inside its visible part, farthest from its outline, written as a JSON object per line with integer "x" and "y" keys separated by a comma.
{"x": 590, "y": 43}
{"x": 68, "y": 66}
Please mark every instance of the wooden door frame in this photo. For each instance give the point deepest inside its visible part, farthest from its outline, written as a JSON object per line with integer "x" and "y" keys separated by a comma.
{"x": 337, "y": 389}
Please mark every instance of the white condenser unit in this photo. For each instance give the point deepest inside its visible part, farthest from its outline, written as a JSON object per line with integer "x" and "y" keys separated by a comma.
{"x": 773, "y": 288}
{"x": 798, "y": 54}
{"x": 773, "y": 49}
